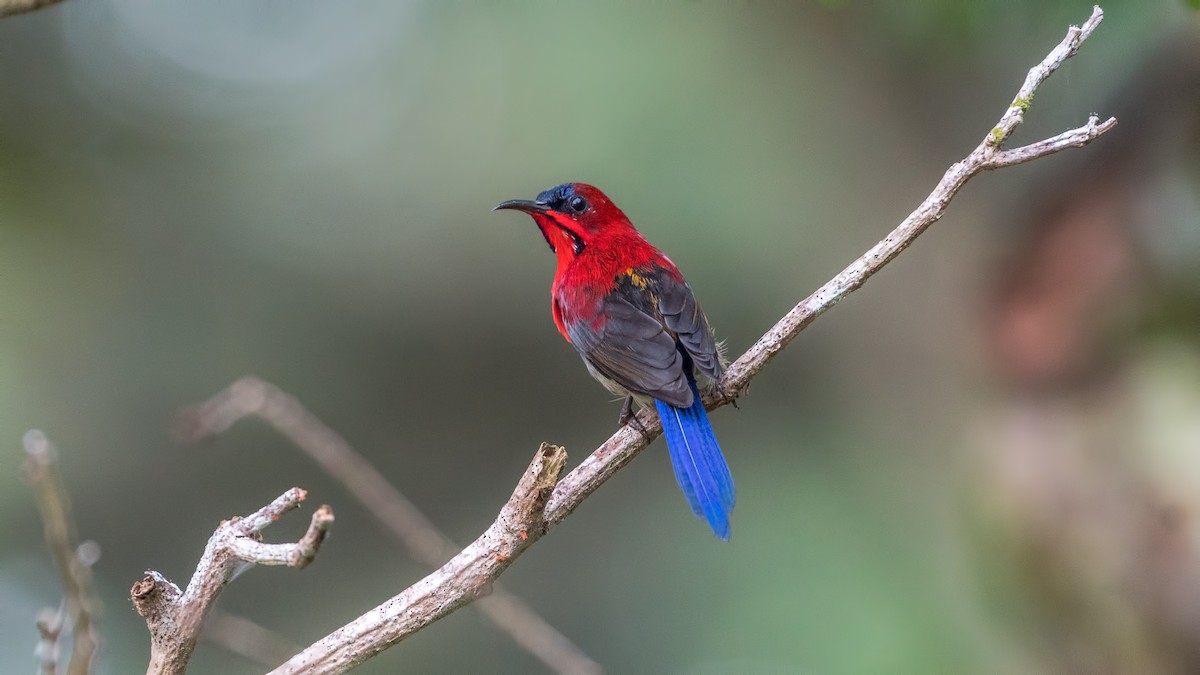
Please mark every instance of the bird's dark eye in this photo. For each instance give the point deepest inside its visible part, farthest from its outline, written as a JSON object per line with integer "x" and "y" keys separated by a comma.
{"x": 577, "y": 204}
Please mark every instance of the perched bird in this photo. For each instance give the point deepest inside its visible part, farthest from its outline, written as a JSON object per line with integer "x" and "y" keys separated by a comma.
{"x": 626, "y": 309}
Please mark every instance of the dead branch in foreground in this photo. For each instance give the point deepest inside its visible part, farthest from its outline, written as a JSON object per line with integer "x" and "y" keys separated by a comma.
{"x": 175, "y": 617}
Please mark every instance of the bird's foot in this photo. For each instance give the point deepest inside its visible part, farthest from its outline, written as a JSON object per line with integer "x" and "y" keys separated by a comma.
{"x": 639, "y": 427}
{"x": 628, "y": 417}
{"x": 728, "y": 394}
{"x": 626, "y": 412}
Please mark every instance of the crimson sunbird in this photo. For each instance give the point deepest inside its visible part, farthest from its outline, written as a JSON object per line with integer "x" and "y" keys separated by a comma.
{"x": 627, "y": 310}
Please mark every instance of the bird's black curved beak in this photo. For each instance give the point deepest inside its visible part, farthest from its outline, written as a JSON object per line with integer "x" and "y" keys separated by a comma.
{"x": 522, "y": 205}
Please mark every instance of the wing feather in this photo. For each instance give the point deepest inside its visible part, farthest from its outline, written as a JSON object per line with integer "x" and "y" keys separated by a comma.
{"x": 651, "y": 321}
{"x": 632, "y": 348}
{"x": 682, "y": 316}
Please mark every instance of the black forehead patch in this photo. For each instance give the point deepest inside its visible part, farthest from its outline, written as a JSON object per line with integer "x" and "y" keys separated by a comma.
{"x": 556, "y": 195}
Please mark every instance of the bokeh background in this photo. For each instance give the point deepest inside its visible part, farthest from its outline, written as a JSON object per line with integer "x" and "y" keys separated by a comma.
{"x": 987, "y": 460}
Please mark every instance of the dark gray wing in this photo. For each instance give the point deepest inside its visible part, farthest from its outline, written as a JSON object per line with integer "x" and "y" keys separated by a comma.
{"x": 632, "y": 348}
{"x": 682, "y": 316}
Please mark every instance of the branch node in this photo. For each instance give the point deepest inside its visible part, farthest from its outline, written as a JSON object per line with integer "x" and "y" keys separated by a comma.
{"x": 528, "y": 502}
{"x": 153, "y": 594}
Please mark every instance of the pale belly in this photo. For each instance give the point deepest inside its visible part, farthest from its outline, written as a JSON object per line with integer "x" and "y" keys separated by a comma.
{"x": 616, "y": 388}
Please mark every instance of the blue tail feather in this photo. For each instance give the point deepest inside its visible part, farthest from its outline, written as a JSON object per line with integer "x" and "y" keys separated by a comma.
{"x": 699, "y": 465}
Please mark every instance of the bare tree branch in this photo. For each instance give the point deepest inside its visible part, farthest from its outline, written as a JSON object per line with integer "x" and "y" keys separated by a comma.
{"x": 11, "y": 7}
{"x": 472, "y": 571}
{"x": 1038, "y": 74}
{"x": 175, "y": 617}
{"x": 49, "y": 625}
{"x": 41, "y": 469}
{"x": 251, "y": 396}
{"x": 247, "y": 639}
{"x": 1075, "y": 138}
{"x": 465, "y": 578}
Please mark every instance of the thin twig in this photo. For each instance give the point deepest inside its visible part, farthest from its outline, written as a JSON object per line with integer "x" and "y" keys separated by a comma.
{"x": 11, "y": 7}
{"x": 49, "y": 626}
{"x": 41, "y": 469}
{"x": 1076, "y": 138}
{"x": 1038, "y": 74}
{"x": 473, "y": 571}
{"x": 175, "y": 617}
{"x": 251, "y": 396}
{"x": 247, "y": 639}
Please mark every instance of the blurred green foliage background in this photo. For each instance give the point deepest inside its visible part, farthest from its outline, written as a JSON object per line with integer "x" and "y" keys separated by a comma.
{"x": 190, "y": 192}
